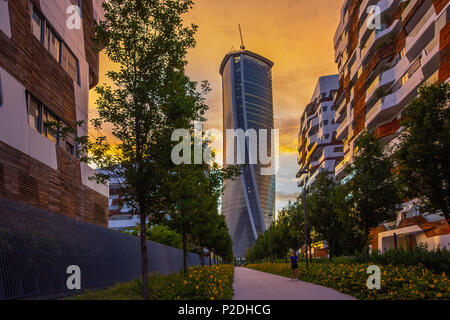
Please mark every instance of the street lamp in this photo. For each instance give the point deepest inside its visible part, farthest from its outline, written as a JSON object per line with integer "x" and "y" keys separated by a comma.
{"x": 305, "y": 171}
{"x": 271, "y": 254}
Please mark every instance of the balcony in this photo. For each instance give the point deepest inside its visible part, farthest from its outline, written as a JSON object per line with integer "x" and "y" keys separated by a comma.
{"x": 299, "y": 158}
{"x": 386, "y": 78}
{"x": 388, "y": 106}
{"x": 363, "y": 8}
{"x": 422, "y": 33}
{"x": 408, "y": 9}
{"x": 313, "y": 177}
{"x": 340, "y": 105}
{"x": 386, "y": 6}
{"x": 387, "y": 129}
{"x": 339, "y": 170}
{"x": 340, "y": 117}
{"x": 303, "y": 177}
{"x": 342, "y": 130}
{"x": 380, "y": 82}
{"x": 340, "y": 29}
{"x": 312, "y": 149}
{"x": 430, "y": 58}
{"x": 378, "y": 36}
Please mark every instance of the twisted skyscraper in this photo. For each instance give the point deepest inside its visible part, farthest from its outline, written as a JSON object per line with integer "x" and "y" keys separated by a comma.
{"x": 248, "y": 202}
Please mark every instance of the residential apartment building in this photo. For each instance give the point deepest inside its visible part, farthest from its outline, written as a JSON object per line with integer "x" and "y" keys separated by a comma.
{"x": 319, "y": 150}
{"x": 384, "y": 54}
{"x": 120, "y": 215}
{"x": 48, "y": 64}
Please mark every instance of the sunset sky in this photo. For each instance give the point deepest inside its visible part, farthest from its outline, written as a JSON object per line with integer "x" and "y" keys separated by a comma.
{"x": 297, "y": 35}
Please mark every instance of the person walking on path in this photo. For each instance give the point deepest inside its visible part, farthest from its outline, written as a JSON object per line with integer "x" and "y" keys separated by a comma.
{"x": 294, "y": 266}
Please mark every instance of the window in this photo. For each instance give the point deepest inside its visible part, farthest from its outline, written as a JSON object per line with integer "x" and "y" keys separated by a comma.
{"x": 38, "y": 115}
{"x": 95, "y": 15}
{"x": 70, "y": 64}
{"x": 327, "y": 136}
{"x": 54, "y": 44}
{"x": 37, "y": 26}
{"x": 325, "y": 122}
{"x": 35, "y": 115}
{"x": 324, "y": 109}
{"x": 70, "y": 148}
{"x": 68, "y": 142}
{"x": 404, "y": 79}
{"x": 52, "y": 135}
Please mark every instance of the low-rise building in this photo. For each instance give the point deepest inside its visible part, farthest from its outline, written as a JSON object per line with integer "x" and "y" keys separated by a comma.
{"x": 48, "y": 64}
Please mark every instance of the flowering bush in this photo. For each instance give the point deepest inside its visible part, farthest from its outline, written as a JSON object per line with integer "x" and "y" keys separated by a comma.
{"x": 202, "y": 283}
{"x": 397, "y": 282}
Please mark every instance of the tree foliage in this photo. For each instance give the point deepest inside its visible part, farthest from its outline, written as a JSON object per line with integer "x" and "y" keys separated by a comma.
{"x": 324, "y": 218}
{"x": 149, "y": 43}
{"x": 371, "y": 193}
{"x": 423, "y": 153}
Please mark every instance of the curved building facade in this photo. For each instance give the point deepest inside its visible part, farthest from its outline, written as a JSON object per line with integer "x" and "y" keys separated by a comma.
{"x": 248, "y": 202}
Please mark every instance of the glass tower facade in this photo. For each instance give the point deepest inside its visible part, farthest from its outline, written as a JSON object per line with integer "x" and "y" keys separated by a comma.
{"x": 248, "y": 202}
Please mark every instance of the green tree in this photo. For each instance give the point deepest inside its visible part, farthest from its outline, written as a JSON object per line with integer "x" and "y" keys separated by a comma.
{"x": 287, "y": 233}
{"x": 350, "y": 237}
{"x": 323, "y": 218}
{"x": 194, "y": 193}
{"x": 220, "y": 241}
{"x": 211, "y": 229}
{"x": 371, "y": 193}
{"x": 148, "y": 41}
{"x": 422, "y": 156}
{"x": 164, "y": 235}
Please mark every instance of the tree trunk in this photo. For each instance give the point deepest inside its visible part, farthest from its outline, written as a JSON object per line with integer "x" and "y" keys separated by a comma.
{"x": 209, "y": 254}
{"x": 144, "y": 257}
{"x": 202, "y": 256}
{"x": 446, "y": 212}
{"x": 366, "y": 245}
{"x": 185, "y": 266}
{"x": 310, "y": 254}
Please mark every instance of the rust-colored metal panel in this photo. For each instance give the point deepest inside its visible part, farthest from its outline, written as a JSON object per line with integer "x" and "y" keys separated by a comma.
{"x": 444, "y": 67}
{"x": 439, "y": 5}
{"x": 374, "y": 236}
{"x": 387, "y": 129}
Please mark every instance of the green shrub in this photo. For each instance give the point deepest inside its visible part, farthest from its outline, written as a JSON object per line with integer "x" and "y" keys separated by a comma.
{"x": 437, "y": 261}
{"x": 202, "y": 283}
{"x": 397, "y": 282}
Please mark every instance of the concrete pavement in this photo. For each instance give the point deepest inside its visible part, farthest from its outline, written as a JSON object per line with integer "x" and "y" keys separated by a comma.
{"x": 256, "y": 285}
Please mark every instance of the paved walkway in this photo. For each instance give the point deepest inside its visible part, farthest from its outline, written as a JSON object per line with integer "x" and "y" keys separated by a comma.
{"x": 256, "y": 285}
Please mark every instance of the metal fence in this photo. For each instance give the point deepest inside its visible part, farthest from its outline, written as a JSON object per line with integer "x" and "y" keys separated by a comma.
{"x": 37, "y": 246}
